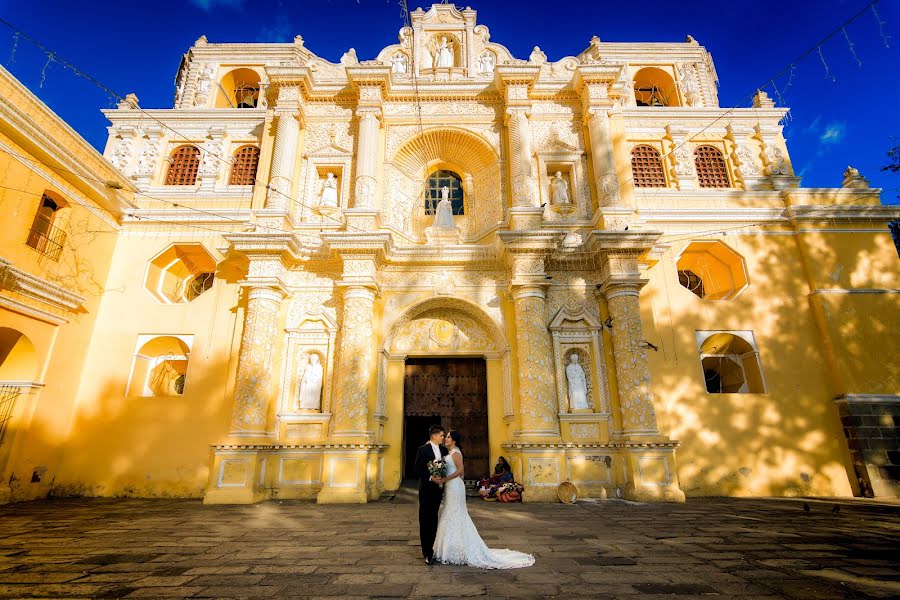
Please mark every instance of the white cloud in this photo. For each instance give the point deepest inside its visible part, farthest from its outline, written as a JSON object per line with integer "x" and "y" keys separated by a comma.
{"x": 208, "y": 5}
{"x": 834, "y": 132}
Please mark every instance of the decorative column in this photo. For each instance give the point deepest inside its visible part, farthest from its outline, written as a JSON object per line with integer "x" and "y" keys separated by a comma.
{"x": 746, "y": 166}
{"x": 212, "y": 159}
{"x": 622, "y": 293}
{"x": 537, "y": 390}
{"x": 603, "y": 159}
{"x": 369, "y": 82}
{"x": 646, "y": 457}
{"x": 366, "y": 158}
{"x": 252, "y": 390}
{"x": 149, "y": 158}
{"x": 284, "y": 154}
{"x": 524, "y": 187}
{"x": 515, "y": 82}
{"x": 354, "y": 370}
{"x": 535, "y": 448}
{"x": 593, "y": 82}
{"x": 350, "y": 464}
{"x": 682, "y": 157}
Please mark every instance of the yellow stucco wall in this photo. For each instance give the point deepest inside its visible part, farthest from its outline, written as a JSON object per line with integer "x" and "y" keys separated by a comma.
{"x": 151, "y": 446}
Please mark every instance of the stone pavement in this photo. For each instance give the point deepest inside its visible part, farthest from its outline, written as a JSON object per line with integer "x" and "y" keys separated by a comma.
{"x": 726, "y": 548}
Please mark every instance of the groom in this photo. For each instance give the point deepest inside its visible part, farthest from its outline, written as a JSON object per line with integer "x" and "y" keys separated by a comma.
{"x": 430, "y": 493}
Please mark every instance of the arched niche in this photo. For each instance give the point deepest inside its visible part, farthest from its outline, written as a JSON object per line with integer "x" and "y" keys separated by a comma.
{"x": 239, "y": 88}
{"x": 18, "y": 357}
{"x": 160, "y": 365}
{"x": 465, "y": 153}
{"x": 654, "y": 86}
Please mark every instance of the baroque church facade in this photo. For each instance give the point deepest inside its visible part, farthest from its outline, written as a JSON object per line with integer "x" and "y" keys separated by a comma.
{"x": 585, "y": 265}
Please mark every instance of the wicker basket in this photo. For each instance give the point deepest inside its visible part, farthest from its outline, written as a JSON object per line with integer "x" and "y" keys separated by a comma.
{"x": 567, "y": 492}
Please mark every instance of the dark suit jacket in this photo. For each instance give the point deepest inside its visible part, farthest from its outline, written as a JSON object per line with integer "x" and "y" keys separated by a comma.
{"x": 425, "y": 455}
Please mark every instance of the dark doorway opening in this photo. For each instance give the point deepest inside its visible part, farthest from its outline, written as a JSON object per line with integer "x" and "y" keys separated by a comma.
{"x": 415, "y": 433}
{"x": 451, "y": 392}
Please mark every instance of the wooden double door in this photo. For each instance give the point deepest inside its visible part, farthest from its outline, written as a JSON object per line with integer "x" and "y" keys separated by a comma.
{"x": 451, "y": 392}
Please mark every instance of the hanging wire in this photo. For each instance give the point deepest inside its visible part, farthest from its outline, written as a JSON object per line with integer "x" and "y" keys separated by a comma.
{"x": 52, "y": 57}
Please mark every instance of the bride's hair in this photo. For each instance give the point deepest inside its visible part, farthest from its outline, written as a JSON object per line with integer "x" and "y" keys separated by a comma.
{"x": 457, "y": 438}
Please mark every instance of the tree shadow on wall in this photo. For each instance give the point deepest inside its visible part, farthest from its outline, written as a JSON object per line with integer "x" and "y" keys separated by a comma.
{"x": 132, "y": 446}
{"x": 789, "y": 440}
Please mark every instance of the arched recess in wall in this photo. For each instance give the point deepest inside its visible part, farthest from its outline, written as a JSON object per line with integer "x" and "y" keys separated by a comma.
{"x": 160, "y": 365}
{"x": 18, "y": 357}
{"x": 239, "y": 88}
{"x": 655, "y": 87}
{"x": 466, "y": 154}
{"x": 730, "y": 362}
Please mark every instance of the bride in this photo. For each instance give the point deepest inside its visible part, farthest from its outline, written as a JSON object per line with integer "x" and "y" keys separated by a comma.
{"x": 457, "y": 540}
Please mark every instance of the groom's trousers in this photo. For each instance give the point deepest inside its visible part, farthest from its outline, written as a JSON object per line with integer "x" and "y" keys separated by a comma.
{"x": 429, "y": 503}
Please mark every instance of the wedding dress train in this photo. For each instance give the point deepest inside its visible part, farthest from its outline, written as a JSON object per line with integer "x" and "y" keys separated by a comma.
{"x": 458, "y": 541}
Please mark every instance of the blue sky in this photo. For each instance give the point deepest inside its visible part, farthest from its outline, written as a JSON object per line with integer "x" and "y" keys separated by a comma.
{"x": 850, "y": 119}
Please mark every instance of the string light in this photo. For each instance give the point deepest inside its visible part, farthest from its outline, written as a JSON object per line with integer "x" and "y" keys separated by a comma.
{"x": 851, "y": 46}
{"x": 53, "y": 57}
{"x": 15, "y": 46}
{"x": 885, "y": 38}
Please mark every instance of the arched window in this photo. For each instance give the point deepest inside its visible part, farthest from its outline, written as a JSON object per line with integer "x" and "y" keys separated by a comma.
{"x": 436, "y": 182}
{"x": 730, "y": 363}
{"x": 45, "y": 236}
{"x": 243, "y": 170}
{"x": 160, "y": 365}
{"x": 711, "y": 169}
{"x": 646, "y": 167}
{"x": 183, "y": 166}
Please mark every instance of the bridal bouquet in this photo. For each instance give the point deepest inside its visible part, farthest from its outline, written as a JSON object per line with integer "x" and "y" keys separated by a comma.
{"x": 437, "y": 468}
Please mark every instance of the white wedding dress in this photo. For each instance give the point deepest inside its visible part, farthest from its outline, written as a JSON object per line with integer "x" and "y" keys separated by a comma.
{"x": 458, "y": 542}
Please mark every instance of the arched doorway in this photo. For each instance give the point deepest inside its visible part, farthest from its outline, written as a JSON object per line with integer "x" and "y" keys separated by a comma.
{"x": 445, "y": 361}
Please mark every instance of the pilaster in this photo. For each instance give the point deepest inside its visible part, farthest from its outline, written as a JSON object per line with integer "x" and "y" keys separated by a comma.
{"x": 649, "y": 457}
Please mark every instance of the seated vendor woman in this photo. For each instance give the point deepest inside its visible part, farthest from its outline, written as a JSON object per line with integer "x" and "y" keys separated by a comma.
{"x": 487, "y": 487}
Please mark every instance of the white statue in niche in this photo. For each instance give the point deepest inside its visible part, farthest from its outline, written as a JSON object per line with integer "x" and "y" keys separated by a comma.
{"x": 577, "y": 383}
{"x": 399, "y": 64}
{"x": 443, "y": 215}
{"x": 329, "y": 191}
{"x": 443, "y": 57}
{"x": 559, "y": 190}
{"x": 486, "y": 64}
{"x": 311, "y": 384}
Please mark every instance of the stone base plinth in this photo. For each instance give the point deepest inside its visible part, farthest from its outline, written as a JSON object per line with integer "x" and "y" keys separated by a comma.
{"x": 649, "y": 472}
{"x": 443, "y": 236}
{"x": 643, "y": 471}
{"x": 330, "y": 473}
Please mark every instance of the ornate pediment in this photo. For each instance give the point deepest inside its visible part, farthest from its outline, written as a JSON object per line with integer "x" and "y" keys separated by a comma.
{"x": 569, "y": 318}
